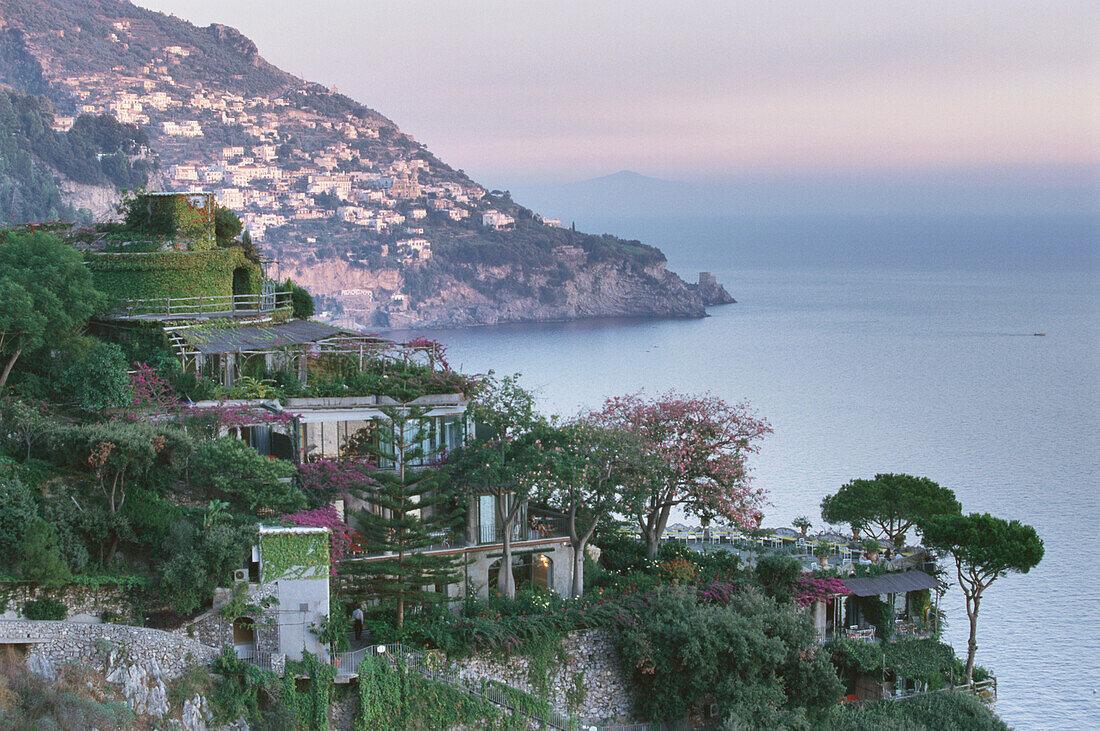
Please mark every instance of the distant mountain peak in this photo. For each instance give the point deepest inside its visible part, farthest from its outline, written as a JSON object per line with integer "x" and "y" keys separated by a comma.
{"x": 625, "y": 176}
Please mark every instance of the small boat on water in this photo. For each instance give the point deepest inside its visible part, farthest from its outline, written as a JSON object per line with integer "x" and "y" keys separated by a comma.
{"x": 1039, "y": 335}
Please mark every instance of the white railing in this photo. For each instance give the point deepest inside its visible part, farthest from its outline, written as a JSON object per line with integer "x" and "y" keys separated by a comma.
{"x": 203, "y": 305}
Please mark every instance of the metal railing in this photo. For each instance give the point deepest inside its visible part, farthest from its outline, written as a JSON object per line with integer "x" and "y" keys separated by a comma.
{"x": 537, "y": 525}
{"x": 203, "y": 305}
{"x": 258, "y": 658}
{"x": 982, "y": 689}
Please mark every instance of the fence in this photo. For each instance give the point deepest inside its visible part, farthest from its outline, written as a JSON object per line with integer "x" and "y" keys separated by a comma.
{"x": 203, "y": 305}
{"x": 986, "y": 689}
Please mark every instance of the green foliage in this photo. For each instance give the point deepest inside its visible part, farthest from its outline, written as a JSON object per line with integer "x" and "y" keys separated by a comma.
{"x": 100, "y": 381}
{"x": 929, "y": 661}
{"x": 777, "y": 573}
{"x": 983, "y": 545}
{"x": 413, "y": 507}
{"x": 332, "y": 630}
{"x": 24, "y": 426}
{"x": 118, "y": 454}
{"x": 878, "y": 613}
{"x": 46, "y": 295}
{"x": 198, "y": 564}
{"x": 96, "y": 150}
{"x": 75, "y": 700}
{"x": 173, "y": 218}
{"x": 42, "y": 562}
{"x": 621, "y": 553}
{"x": 948, "y": 710}
{"x": 985, "y": 548}
{"x": 756, "y": 657}
{"x": 888, "y": 505}
{"x": 227, "y": 226}
{"x": 242, "y": 690}
{"x": 300, "y": 298}
{"x": 228, "y": 469}
{"x": 309, "y": 709}
{"x": 172, "y": 274}
{"x": 45, "y": 609}
{"x": 390, "y": 698}
{"x": 294, "y": 555}
{"x": 18, "y": 511}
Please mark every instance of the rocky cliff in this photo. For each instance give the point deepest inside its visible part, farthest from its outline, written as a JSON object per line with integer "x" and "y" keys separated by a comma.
{"x": 379, "y": 229}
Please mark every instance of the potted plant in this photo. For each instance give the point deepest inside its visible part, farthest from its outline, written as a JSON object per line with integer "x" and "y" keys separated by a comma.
{"x": 871, "y": 547}
{"x": 803, "y": 524}
{"x": 822, "y": 551}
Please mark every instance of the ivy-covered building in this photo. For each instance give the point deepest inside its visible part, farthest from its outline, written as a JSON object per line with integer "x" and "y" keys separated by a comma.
{"x": 300, "y": 390}
{"x": 278, "y": 601}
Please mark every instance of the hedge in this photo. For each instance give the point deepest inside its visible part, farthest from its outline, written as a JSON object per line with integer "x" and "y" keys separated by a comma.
{"x": 173, "y": 273}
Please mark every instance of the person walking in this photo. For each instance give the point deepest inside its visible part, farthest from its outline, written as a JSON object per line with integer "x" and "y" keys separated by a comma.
{"x": 357, "y": 619}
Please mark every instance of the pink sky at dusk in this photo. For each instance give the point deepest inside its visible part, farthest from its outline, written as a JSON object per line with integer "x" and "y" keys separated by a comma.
{"x": 552, "y": 91}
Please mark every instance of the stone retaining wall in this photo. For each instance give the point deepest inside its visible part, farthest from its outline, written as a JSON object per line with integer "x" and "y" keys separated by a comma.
{"x": 75, "y": 642}
{"x": 591, "y": 658}
{"x": 85, "y": 603}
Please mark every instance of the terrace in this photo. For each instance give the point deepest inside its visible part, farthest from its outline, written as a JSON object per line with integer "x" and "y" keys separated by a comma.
{"x": 203, "y": 307}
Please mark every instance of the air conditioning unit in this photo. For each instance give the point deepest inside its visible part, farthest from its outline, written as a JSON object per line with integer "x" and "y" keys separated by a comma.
{"x": 240, "y": 576}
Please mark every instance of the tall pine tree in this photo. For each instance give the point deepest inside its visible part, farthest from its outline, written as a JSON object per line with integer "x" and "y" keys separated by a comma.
{"x": 413, "y": 510}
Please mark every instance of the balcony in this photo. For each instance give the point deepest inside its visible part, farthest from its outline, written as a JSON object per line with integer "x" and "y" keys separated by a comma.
{"x": 539, "y": 525}
{"x": 536, "y": 525}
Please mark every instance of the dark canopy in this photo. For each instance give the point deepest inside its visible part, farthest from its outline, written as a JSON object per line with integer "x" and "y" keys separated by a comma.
{"x": 899, "y": 583}
{"x": 259, "y": 337}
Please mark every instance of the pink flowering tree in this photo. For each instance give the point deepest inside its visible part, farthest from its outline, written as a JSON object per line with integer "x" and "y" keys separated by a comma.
{"x": 810, "y": 589}
{"x": 700, "y": 447}
{"x": 151, "y": 391}
{"x": 325, "y": 517}
{"x": 326, "y": 479}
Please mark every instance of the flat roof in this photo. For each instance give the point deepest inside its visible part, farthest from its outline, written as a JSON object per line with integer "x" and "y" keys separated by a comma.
{"x": 265, "y": 529}
{"x": 898, "y": 583}
{"x": 210, "y": 340}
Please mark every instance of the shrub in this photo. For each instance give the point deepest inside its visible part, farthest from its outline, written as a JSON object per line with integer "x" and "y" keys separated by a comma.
{"x": 41, "y": 557}
{"x": 45, "y": 609}
{"x": 100, "y": 380}
{"x": 620, "y": 553}
{"x": 17, "y": 511}
{"x": 756, "y": 658}
{"x": 777, "y": 574}
{"x": 199, "y": 565}
{"x": 228, "y": 469}
{"x": 301, "y": 300}
{"x": 948, "y": 710}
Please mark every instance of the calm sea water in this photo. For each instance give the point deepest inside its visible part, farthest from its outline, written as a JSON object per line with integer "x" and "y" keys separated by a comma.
{"x": 931, "y": 370}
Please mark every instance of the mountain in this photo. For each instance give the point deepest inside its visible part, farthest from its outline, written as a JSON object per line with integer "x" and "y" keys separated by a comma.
{"x": 379, "y": 229}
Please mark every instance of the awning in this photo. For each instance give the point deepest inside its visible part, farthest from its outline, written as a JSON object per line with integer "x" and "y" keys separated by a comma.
{"x": 318, "y": 415}
{"x": 898, "y": 583}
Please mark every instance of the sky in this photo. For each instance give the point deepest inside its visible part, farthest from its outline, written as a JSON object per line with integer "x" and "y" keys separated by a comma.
{"x": 538, "y": 92}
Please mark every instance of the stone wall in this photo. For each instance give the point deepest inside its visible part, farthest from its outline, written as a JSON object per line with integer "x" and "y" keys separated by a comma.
{"x": 591, "y": 658}
{"x": 85, "y": 603}
{"x": 215, "y": 630}
{"x": 76, "y": 642}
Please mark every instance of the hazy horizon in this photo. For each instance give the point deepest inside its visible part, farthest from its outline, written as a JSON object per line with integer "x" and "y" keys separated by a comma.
{"x": 539, "y": 94}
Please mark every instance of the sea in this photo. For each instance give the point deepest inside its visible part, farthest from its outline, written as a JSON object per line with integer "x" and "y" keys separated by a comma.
{"x": 964, "y": 348}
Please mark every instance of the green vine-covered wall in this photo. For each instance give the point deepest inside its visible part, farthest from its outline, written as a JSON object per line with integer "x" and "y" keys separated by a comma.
{"x": 294, "y": 556}
{"x": 188, "y": 218}
{"x": 174, "y": 273}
